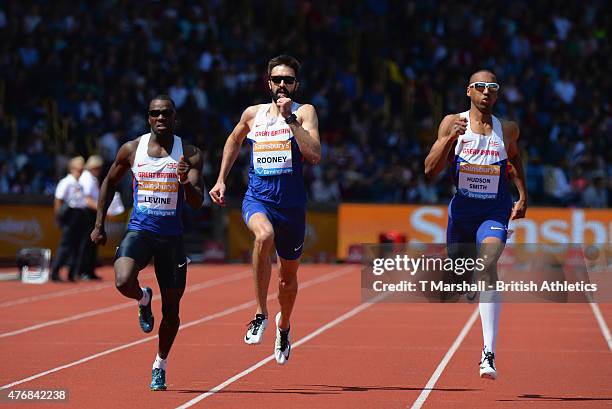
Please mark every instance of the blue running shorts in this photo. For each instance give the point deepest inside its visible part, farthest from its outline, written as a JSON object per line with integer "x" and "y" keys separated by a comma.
{"x": 289, "y": 226}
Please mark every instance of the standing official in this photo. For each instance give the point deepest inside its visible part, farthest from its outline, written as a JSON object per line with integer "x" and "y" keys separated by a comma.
{"x": 89, "y": 181}
{"x": 69, "y": 209}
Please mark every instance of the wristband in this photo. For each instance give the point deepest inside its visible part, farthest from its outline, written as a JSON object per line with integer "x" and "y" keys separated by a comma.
{"x": 291, "y": 119}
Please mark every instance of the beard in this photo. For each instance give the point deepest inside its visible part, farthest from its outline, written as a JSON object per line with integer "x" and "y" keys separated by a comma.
{"x": 285, "y": 91}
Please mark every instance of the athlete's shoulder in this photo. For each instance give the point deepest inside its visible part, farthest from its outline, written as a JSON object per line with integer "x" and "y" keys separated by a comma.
{"x": 509, "y": 128}
{"x": 127, "y": 151}
{"x": 190, "y": 150}
{"x": 250, "y": 111}
{"x": 304, "y": 106}
{"x": 306, "y": 109}
{"x": 130, "y": 146}
{"x": 448, "y": 119}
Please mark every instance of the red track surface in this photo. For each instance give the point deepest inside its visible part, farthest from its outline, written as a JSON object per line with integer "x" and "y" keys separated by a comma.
{"x": 549, "y": 355}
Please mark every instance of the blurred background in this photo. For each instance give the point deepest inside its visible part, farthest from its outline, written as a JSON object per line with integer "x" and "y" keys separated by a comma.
{"x": 76, "y": 78}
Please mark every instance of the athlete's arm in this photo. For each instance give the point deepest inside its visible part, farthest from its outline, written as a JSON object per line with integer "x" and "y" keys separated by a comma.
{"x": 190, "y": 171}
{"x": 230, "y": 153}
{"x": 449, "y": 130}
{"x": 109, "y": 186}
{"x": 514, "y": 156}
{"x": 306, "y": 132}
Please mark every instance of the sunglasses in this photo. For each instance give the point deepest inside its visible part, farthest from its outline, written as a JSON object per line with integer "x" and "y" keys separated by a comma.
{"x": 480, "y": 86}
{"x": 166, "y": 113}
{"x": 277, "y": 79}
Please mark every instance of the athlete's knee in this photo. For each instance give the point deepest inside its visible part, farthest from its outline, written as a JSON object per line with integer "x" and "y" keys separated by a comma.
{"x": 125, "y": 275}
{"x": 288, "y": 284}
{"x": 488, "y": 268}
{"x": 124, "y": 281}
{"x": 488, "y": 262}
{"x": 170, "y": 311}
{"x": 264, "y": 236}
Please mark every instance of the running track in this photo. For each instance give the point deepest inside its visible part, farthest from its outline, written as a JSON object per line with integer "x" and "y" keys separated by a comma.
{"x": 85, "y": 337}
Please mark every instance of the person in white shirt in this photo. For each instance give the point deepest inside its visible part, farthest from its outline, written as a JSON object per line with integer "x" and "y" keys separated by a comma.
{"x": 69, "y": 209}
{"x": 89, "y": 181}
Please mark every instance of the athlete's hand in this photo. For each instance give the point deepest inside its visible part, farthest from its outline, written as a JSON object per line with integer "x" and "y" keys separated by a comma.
{"x": 217, "y": 194}
{"x": 284, "y": 106}
{"x": 458, "y": 127}
{"x": 182, "y": 169}
{"x": 519, "y": 209}
{"x": 98, "y": 235}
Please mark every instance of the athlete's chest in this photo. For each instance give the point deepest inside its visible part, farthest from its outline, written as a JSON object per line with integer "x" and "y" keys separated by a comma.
{"x": 152, "y": 159}
{"x": 266, "y": 129}
{"x": 272, "y": 146}
{"x": 471, "y": 144}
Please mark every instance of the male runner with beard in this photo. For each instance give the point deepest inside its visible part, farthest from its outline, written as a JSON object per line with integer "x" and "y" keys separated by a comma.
{"x": 282, "y": 135}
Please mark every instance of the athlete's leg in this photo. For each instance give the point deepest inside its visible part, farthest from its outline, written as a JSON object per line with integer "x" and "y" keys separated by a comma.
{"x": 171, "y": 299}
{"x": 491, "y": 238}
{"x": 460, "y": 244}
{"x": 133, "y": 254}
{"x": 289, "y": 241}
{"x": 287, "y": 289}
{"x": 126, "y": 278}
{"x": 171, "y": 273}
{"x": 261, "y": 227}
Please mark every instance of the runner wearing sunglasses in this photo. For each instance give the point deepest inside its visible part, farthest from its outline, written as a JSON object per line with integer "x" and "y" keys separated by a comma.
{"x": 282, "y": 135}
{"x": 483, "y": 152}
{"x": 166, "y": 174}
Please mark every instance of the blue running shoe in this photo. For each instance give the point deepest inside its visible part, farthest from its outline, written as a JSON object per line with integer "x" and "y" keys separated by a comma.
{"x": 145, "y": 315}
{"x": 158, "y": 380}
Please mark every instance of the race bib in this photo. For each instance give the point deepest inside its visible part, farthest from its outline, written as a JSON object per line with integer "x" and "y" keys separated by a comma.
{"x": 272, "y": 158}
{"x": 158, "y": 197}
{"x": 478, "y": 181}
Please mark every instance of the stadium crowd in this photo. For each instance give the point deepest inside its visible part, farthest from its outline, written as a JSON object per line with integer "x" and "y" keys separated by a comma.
{"x": 76, "y": 77}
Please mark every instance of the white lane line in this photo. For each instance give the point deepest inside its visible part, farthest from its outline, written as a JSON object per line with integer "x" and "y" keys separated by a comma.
{"x": 57, "y": 294}
{"x": 449, "y": 354}
{"x": 321, "y": 279}
{"x": 264, "y": 361}
{"x": 130, "y": 304}
{"x": 602, "y": 324}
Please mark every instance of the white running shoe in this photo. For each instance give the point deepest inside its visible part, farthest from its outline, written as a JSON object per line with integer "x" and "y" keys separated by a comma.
{"x": 487, "y": 366}
{"x": 256, "y": 330}
{"x": 282, "y": 347}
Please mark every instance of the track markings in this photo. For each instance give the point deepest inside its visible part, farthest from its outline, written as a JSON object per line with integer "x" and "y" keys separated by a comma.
{"x": 317, "y": 332}
{"x": 449, "y": 355}
{"x": 602, "y": 324}
{"x": 227, "y": 311}
{"x": 62, "y": 293}
{"x": 55, "y": 294}
{"x": 98, "y": 311}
